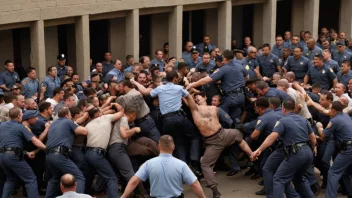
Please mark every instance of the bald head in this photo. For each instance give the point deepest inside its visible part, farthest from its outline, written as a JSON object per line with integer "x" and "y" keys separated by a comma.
{"x": 311, "y": 43}
{"x": 290, "y": 76}
{"x": 166, "y": 144}
{"x": 344, "y": 101}
{"x": 68, "y": 183}
{"x": 283, "y": 83}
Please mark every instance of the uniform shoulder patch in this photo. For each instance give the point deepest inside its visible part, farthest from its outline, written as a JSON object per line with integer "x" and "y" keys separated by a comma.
{"x": 227, "y": 116}
{"x": 258, "y": 122}
{"x": 247, "y": 67}
{"x": 331, "y": 70}
{"x": 24, "y": 82}
{"x": 215, "y": 71}
{"x": 329, "y": 125}
{"x": 277, "y": 124}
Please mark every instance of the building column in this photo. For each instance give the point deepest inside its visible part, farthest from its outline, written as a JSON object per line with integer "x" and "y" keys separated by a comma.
{"x": 82, "y": 46}
{"x": 211, "y": 25}
{"x": 38, "y": 48}
{"x": 269, "y": 21}
{"x": 297, "y": 24}
{"x": 51, "y": 45}
{"x": 311, "y": 16}
{"x": 257, "y": 25}
{"x": 224, "y": 25}
{"x": 175, "y": 32}
{"x": 132, "y": 33}
{"x": 346, "y": 17}
{"x": 160, "y": 33}
{"x": 117, "y": 38}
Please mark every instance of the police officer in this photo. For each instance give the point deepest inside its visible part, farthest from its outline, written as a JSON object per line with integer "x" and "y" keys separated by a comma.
{"x": 12, "y": 134}
{"x": 206, "y": 46}
{"x": 345, "y": 75}
{"x": 51, "y": 82}
{"x": 175, "y": 121}
{"x": 340, "y": 127}
{"x": 206, "y": 63}
{"x": 277, "y": 48}
{"x": 293, "y": 44}
{"x": 341, "y": 54}
{"x": 116, "y": 74}
{"x": 232, "y": 86}
{"x": 30, "y": 84}
{"x": 108, "y": 64}
{"x": 299, "y": 155}
{"x": 264, "y": 90}
{"x": 311, "y": 50}
{"x": 250, "y": 63}
{"x": 9, "y": 77}
{"x": 186, "y": 54}
{"x": 99, "y": 130}
{"x": 60, "y": 66}
{"x": 195, "y": 59}
{"x": 286, "y": 51}
{"x": 59, "y": 143}
{"x": 298, "y": 64}
{"x": 159, "y": 60}
{"x": 268, "y": 63}
{"x": 321, "y": 74}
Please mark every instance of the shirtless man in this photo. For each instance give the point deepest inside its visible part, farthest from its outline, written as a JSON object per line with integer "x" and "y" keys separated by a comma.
{"x": 216, "y": 138}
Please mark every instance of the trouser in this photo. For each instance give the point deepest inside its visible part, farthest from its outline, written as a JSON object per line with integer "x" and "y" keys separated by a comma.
{"x": 234, "y": 150}
{"x": 38, "y": 166}
{"x": 342, "y": 162}
{"x": 142, "y": 146}
{"x": 97, "y": 162}
{"x": 232, "y": 104}
{"x": 119, "y": 158}
{"x": 58, "y": 166}
{"x": 215, "y": 144}
{"x": 293, "y": 169}
{"x": 14, "y": 168}
{"x": 148, "y": 129}
{"x": 186, "y": 139}
{"x": 271, "y": 165}
{"x": 78, "y": 158}
{"x": 326, "y": 150}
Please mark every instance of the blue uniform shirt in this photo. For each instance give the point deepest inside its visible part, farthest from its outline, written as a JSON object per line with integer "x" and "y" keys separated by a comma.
{"x": 340, "y": 127}
{"x": 300, "y": 67}
{"x": 170, "y": 97}
{"x": 187, "y": 57}
{"x": 323, "y": 76}
{"x": 338, "y": 57}
{"x": 277, "y": 51}
{"x": 160, "y": 63}
{"x": 279, "y": 111}
{"x": 107, "y": 67}
{"x": 273, "y": 92}
{"x": 333, "y": 65}
{"x": 266, "y": 122}
{"x": 13, "y": 133}
{"x": 293, "y": 129}
{"x": 61, "y": 133}
{"x": 9, "y": 79}
{"x": 344, "y": 78}
{"x": 225, "y": 119}
{"x": 39, "y": 126}
{"x": 268, "y": 64}
{"x": 193, "y": 64}
{"x": 208, "y": 67}
{"x": 302, "y": 44}
{"x": 60, "y": 70}
{"x": 200, "y": 47}
{"x": 311, "y": 53}
{"x": 29, "y": 87}
{"x": 50, "y": 85}
{"x": 166, "y": 175}
{"x": 250, "y": 65}
{"x": 232, "y": 76}
{"x": 114, "y": 73}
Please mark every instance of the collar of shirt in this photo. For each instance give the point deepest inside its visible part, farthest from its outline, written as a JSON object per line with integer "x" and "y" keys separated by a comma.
{"x": 165, "y": 155}
{"x": 290, "y": 114}
{"x": 268, "y": 110}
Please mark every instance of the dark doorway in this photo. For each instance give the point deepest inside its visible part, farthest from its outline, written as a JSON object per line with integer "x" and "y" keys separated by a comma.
{"x": 62, "y": 38}
{"x": 144, "y": 38}
{"x": 185, "y": 27}
{"x": 99, "y": 39}
{"x": 247, "y": 27}
{"x": 197, "y": 26}
{"x": 329, "y": 14}
{"x": 283, "y": 16}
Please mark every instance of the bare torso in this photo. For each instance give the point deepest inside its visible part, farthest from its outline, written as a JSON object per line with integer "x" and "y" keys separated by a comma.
{"x": 206, "y": 119}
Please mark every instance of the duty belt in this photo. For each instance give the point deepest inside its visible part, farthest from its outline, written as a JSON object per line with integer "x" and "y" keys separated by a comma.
{"x": 63, "y": 150}
{"x": 179, "y": 112}
{"x": 237, "y": 91}
{"x": 97, "y": 150}
{"x": 294, "y": 148}
{"x": 341, "y": 146}
{"x": 12, "y": 150}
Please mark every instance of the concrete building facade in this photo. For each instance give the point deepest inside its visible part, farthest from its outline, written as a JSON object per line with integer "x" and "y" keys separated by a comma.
{"x": 34, "y": 32}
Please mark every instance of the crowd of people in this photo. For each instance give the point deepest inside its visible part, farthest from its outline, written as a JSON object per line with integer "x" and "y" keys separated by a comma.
{"x": 277, "y": 111}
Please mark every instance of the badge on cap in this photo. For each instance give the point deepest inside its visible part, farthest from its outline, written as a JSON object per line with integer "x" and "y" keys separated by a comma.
{"x": 249, "y": 62}
{"x": 247, "y": 67}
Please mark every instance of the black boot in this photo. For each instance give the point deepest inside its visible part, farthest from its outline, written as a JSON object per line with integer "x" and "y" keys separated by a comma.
{"x": 261, "y": 192}
{"x": 216, "y": 193}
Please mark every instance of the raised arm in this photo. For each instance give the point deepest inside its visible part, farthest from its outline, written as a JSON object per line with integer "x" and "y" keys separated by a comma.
{"x": 119, "y": 114}
{"x": 141, "y": 88}
{"x": 191, "y": 103}
{"x": 200, "y": 82}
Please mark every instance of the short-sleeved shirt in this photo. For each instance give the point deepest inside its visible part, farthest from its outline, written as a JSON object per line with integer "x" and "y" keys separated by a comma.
{"x": 50, "y": 84}
{"x": 107, "y": 67}
{"x": 293, "y": 129}
{"x": 39, "y": 126}
{"x": 134, "y": 99}
{"x": 201, "y": 47}
{"x": 266, "y": 122}
{"x": 208, "y": 68}
{"x": 279, "y": 111}
{"x": 338, "y": 57}
{"x": 277, "y": 51}
{"x": 298, "y": 66}
{"x": 340, "y": 127}
{"x": 232, "y": 76}
{"x": 323, "y": 76}
{"x": 193, "y": 64}
{"x": 61, "y": 70}
{"x": 29, "y": 87}
{"x": 333, "y": 65}
{"x": 116, "y": 133}
{"x": 61, "y": 133}
{"x": 311, "y": 53}
{"x": 114, "y": 73}
{"x": 268, "y": 64}
{"x": 166, "y": 175}
{"x": 161, "y": 64}
{"x": 250, "y": 65}
{"x": 170, "y": 97}
{"x": 99, "y": 131}
{"x": 187, "y": 57}
{"x": 13, "y": 133}
{"x": 52, "y": 102}
{"x": 344, "y": 78}
{"x": 9, "y": 79}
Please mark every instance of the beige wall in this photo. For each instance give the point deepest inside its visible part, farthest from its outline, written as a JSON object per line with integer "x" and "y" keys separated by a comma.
{"x": 6, "y": 46}
{"x": 117, "y": 35}
{"x": 159, "y": 31}
{"x": 51, "y": 45}
{"x": 211, "y": 25}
